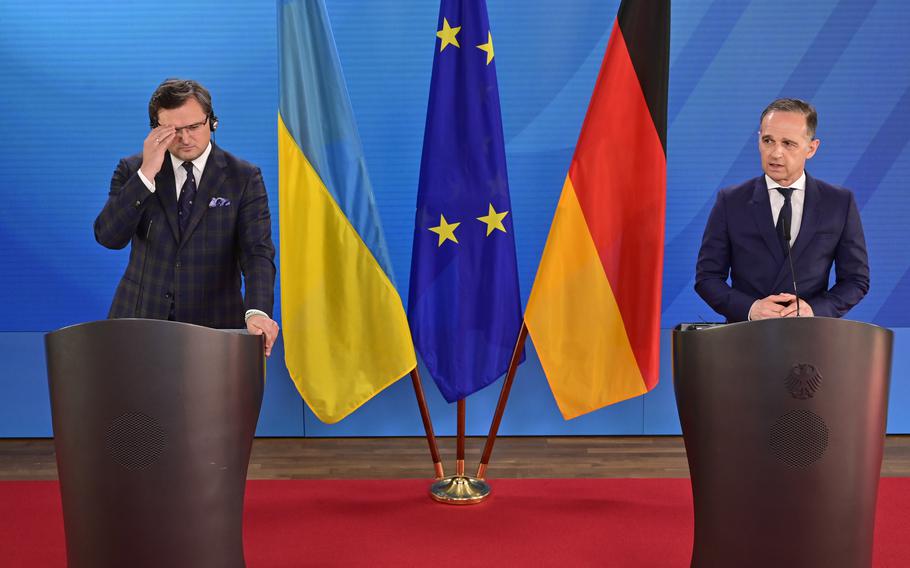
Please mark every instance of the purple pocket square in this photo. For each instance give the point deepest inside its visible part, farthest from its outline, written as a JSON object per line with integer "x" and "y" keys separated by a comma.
{"x": 219, "y": 202}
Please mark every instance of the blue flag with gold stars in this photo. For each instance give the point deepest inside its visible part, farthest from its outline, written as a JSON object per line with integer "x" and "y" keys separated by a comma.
{"x": 464, "y": 306}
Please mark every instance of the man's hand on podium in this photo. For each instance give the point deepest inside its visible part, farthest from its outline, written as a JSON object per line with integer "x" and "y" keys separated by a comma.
{"x": 262, "y": 325}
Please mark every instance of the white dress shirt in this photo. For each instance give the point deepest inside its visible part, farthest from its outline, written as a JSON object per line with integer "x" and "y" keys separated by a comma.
{"x": 180, "y": 173}
{"x": 797, "y": 200}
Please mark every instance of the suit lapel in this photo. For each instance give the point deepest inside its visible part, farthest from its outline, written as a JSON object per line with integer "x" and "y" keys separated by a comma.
{"x": 212, "y": 178}
{"x": 764, "y": 220}
{"x": 166, "y": 192}
{"x": 809, "y": 223}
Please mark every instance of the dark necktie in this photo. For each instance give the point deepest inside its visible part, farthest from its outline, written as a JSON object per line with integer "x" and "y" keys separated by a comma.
{"x": 187, "y": 197}
{"x": 784, "y": 218}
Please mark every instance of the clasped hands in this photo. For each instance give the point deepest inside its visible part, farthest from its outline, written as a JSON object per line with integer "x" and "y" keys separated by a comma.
{"x": 779, "y": 306}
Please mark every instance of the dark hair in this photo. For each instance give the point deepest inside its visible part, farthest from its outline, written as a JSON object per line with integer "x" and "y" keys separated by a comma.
{"x": 794, "y": 105}
{"x": 173, "y": 93}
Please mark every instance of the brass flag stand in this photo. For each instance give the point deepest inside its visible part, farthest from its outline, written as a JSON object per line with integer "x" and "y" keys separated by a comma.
{"x": 460, "y": 489}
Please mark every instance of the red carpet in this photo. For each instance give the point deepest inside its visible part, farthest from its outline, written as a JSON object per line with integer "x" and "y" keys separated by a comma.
{"x": 561, "y": 522}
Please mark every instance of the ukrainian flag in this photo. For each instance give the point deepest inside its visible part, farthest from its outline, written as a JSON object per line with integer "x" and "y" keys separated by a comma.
{"x": 346, "y": 335}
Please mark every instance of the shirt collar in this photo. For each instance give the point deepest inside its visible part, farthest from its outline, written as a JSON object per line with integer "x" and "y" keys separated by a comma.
{"x": 198, "y": 163}
{"x": 798, "y": 184}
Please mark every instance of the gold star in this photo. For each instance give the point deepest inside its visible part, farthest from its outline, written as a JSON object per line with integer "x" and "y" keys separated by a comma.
{"x": 445, "y": 230}
{"x": 447, "y": 35}
{"x": 494, "y": 220}
{"x": 488, "y": 47}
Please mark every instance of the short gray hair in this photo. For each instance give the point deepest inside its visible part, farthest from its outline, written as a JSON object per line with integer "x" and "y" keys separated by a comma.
{"x": 794, "y": 105}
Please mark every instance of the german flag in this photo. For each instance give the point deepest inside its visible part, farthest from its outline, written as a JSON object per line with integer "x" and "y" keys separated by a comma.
{"x": 594, "y": 310}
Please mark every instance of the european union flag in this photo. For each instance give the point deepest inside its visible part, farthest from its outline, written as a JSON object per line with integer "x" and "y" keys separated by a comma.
{"x": 464, "y": 306}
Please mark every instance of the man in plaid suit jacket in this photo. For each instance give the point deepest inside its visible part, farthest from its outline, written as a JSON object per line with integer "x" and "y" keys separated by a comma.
{"x": 188, "y": 255}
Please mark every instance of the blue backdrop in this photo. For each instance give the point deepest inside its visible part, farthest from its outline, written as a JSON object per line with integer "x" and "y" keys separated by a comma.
{"x": 76, "y": 78}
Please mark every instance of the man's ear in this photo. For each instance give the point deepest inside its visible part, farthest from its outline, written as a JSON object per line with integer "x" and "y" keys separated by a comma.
{"x": 813, "y": 147}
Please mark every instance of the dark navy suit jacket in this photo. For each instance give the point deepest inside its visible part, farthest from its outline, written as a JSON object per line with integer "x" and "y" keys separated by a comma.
{"x": 199, "y": 272}
{"x": 741, "y": 244}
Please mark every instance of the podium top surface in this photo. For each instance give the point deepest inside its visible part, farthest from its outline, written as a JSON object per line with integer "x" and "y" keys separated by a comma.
{"x": 133, "y": 323}
{"x": 778, "y": 323}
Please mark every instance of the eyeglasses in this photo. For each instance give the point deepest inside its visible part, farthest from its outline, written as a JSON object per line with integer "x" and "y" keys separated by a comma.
{"x": 191, "y": 128}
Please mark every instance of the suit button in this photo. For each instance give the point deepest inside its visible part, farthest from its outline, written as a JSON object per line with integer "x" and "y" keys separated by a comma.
{"x": 137, "y": 204}
{"x": 167, "y": 295}
{"x": 177, "y": 265}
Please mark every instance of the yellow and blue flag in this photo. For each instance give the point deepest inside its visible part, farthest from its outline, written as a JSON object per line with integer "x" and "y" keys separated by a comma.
{"x": 346, "y": 335}
{"x": 464, "y": 305}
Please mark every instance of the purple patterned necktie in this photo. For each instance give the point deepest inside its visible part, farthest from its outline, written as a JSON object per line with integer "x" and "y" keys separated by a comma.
{"x": 187, "y": 197}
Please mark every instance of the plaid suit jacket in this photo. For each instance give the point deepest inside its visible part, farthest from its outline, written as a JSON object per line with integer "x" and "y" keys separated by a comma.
{"x": 226, "y": 239}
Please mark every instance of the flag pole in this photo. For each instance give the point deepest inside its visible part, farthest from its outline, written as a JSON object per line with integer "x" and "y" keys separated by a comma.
{"x": 503, "y": 399}
{"x": 460, "y": 489}
{"x": 427, "y": 424}
{"x": 459, "y": 448}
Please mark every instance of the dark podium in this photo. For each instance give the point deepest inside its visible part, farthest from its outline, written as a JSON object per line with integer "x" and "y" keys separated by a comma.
{"x": 153, "y": 426}
{"x": 784, "y": 425}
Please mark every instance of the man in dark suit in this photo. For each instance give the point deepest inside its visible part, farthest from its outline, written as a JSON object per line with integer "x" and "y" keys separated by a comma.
{"x": 754, "y": 224}
{"x": 197, "y": 219}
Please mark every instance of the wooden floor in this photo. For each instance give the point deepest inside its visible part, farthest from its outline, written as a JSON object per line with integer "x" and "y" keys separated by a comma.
{"x": 385, "y": 458}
